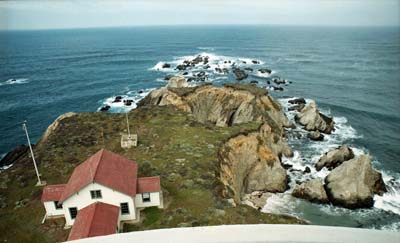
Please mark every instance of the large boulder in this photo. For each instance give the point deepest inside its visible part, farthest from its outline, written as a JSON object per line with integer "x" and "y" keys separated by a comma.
{"x": 354, "y": 183}
{"x": 251, "y": 163}
{"x": 312, "y": 191}
{"x": 334, "y": 158}
{"x": 313, "y": 120}
{"x": 177, "y": 82}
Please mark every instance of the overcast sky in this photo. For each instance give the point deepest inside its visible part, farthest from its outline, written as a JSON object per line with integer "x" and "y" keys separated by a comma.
{"x": 80, "y": 14}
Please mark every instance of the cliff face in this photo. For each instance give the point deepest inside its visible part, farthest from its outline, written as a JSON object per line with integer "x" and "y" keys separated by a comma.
{"x": 225, "y": 106}
{"x": 252, "y": 163}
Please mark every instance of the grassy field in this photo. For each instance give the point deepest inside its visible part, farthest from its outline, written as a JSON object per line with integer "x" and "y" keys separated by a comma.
{"x": 170, "y": 144}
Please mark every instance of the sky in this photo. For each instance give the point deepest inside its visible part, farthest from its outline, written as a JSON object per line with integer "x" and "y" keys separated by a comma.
{"x": 83, "y": 14}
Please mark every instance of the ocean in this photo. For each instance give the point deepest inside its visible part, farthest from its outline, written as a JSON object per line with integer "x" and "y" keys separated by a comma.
{"x": 353, "y": 73}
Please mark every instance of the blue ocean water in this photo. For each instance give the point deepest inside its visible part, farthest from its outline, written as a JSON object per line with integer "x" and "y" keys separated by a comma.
{"x": 353, "y": 73}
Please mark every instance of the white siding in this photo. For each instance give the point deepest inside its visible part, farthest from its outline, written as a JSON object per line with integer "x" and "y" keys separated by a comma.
{"x": 51, "y": 210}
{"x": 155, "y": 200}
{"x": 83, "y": 198}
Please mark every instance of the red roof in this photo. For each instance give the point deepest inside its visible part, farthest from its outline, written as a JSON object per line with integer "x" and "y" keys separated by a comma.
{"x": 106, "y": 168}
{"x": 149, "y": 184}
{"x": 52, "y": 192}
{"x": 95, "y": 220}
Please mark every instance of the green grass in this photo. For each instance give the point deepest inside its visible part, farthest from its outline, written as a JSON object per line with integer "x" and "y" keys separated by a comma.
{"x": 152, "y": 215}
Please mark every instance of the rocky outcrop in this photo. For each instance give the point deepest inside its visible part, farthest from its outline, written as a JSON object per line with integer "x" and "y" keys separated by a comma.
{"x": 177, "y": 82}
{"x": 250, "y": 162}
{"x": 335, "y": 157}
{"x": 14, "y": 155}
{"x": 313, "y": 120}
{"x": 354, "y": 183}
{"x": 240, "y": 74}
{"x": 55, "y": 125}
{"x": 222, "y": 106}
{"x": 312, "y": 191}
{"x": 316, "y": 136}
{"x": 257, "y": 199}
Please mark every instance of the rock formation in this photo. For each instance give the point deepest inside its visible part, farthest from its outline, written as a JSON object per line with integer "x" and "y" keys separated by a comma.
{"x": 354, "y": 183}
{"x": 316, "y": 136}
{"x": 225, "y": 106}
{"x": 55, "y": 125}
{"x": 335, "y": 157}
{"x": 313, "y": 120}
{"x": 14, "y": 155}
{"x": 177, "y": 82}
{"x": 312, "y": 191}
{"x": 251, "y": 163}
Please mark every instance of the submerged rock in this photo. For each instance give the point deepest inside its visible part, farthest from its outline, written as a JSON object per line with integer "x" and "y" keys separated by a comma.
{"x": 265, "y": 70}
{"x": 312, "y": 191}
{"x": 316, "y": 136}
{"x": 105, "y": 108}
{"x": 335, "y": 157}
{"x": 354, "y": 183}
{"x": 166, "y": 65}
{"x": 313, "y": 120}
{"x": 240, "y": 74}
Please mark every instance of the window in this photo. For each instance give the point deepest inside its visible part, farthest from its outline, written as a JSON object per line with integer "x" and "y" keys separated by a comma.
{"x": 57, "y": 205}
{"x": 95, "y": 194}
{"x": 73, "y": 212}
{"x": 146, "y": 197}
{"x": 124, "y": 208}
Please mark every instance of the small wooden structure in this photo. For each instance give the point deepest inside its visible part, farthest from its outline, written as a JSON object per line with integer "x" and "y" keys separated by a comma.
{"x": 128, "y": 140}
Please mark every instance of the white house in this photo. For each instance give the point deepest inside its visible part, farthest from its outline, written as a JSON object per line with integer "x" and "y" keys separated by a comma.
{"x": 101, "y": 192}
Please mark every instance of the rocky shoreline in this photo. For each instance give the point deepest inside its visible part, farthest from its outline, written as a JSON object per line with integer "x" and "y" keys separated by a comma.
{"x": 252, "y": 162}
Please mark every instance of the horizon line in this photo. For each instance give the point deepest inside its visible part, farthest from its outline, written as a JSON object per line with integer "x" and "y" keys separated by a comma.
{"x": 198, "y": 25}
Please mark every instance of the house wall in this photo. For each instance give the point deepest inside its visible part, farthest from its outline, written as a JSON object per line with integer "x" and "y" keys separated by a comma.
{"x": 83, "y": 198}
{"x": 155, "y": 200}
{"x": 51, "y": 210}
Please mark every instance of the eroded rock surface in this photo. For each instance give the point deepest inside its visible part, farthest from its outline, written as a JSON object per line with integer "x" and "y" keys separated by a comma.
{"x": 313, "y": 120}
{"x": 250, "y": 162}
{"x": 354, "y": 183}
{"x": 223, "y": 106}
{"x": 312, "y": 191}
{"x": 335, "y": 157}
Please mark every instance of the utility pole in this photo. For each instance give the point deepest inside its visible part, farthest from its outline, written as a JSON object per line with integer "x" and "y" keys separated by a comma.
{"x": 127, "y": 123}
{"x": 39, "y": 183}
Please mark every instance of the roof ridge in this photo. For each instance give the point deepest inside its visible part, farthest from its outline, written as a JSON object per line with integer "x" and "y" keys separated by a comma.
{"x": 92, "y": 218}
{"x": 98, "y": 163}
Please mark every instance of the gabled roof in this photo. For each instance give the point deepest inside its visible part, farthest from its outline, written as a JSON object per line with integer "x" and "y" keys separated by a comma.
{"x": 95, "y": 220}
{"x": 52, "y": 192}
{"x": 106, "y": 168}
{"x": 149, "y": 184}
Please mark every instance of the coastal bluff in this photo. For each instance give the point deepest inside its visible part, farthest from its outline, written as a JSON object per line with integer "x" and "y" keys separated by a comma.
{"x": 183, "y": 146}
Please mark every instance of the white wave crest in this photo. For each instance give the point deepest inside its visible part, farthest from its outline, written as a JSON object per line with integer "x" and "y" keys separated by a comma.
{"x": 120, "y": 107}
{"x": 15, "y": 81}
